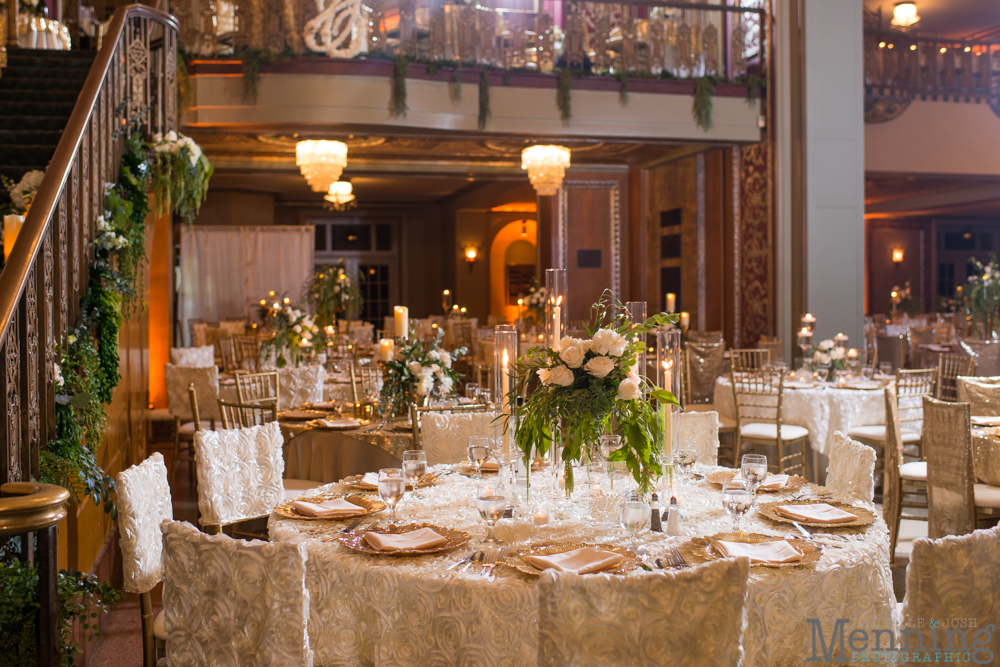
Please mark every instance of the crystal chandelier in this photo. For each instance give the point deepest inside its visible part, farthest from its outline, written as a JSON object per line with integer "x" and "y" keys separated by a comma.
{"x": 546, "y": 166}
{"x": 341, "y": 196}
{"x": 321, "y": 162}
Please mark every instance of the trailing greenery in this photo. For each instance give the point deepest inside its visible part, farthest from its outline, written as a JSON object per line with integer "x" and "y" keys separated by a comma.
{"x": 103, "y": 309}
{"x": 622, "y": 88}
{"x": 484, "y": 99}
{"x": 251, "y": 61}
{"x": 80, "y": 597}
{"x": 133, "y": 191}
{"x": 701, "y": 108}
{"x": 456, "y": 86}
{"x": 756, "y": 85}
{"x": 397, "y": 97}
{"x": 563, "y": 94}
{"x": 180, "y": 175}
{"x": 184, "y": 94}
{"x": 331, "y": 292}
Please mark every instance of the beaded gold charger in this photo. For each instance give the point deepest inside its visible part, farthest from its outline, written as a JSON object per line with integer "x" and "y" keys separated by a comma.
{"x": 865, "y": 517}
{"x": 708, "y": 548}
{"x": 354, "y": 482}
{"x": 357, "y": 541}
{"x": 516, "y": 559}
{"x": 720, "y": 477}
{"x": 300, "y": 415}
{"x": 369, "y": 504}
{"x": 470, "y": 471}
{"x": 334, "y": 425}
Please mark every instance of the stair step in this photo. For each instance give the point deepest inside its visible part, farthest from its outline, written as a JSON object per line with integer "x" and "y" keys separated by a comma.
{"x": 75, "y": 73}
{"x": 51, "y": 59}
{"x": 56, "y": 123}
{"x": 29, "y": 137}
{"x": 41, "y": 96}
{"x": 19, "y": 155}
{"x": 19, "y": 85}
{"x": 11, "y": 108}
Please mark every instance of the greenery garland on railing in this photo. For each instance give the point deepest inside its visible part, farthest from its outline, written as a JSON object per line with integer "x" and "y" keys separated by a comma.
{"x": 180, "y": 175}
{"x": 397, "y": 97}
{"x": 563, "y": 101}
{"x": 701, "y": 107}
{"x": 485, "y": 113}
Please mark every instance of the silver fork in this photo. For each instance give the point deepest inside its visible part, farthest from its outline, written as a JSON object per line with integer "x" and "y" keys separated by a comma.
{"x": 493, "y": 559}
{"x": 677, "y": 560}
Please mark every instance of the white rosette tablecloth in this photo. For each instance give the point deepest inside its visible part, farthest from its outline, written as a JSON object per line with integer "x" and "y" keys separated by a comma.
{"x": 390, "y": 611}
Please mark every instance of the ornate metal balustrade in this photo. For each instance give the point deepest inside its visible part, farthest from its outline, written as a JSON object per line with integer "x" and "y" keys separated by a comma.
{"x": 681, "y": 39}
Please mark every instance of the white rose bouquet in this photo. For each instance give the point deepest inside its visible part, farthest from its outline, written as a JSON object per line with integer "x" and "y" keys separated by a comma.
{"x": 534, "y": 303}
{"x": 593, "y": 384}
{"x": 22, "y": 193}
{"x": 333, "y": 292}
{"x": 294, "y": 331}
{"x": 180, "y": 174}
{"x": 828, "y": 355}
{"x": 417, "y": 370}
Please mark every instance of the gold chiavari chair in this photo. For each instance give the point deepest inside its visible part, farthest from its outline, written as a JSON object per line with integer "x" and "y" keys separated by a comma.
{"x": 247, "y": 348}
{"x": 916, "y": 337}
{"x": 950, "y": 366}
{"x": 257, "y": 387}
{"x": 900, "y": 479}
{"x": 748, "y": 359}
{"x": 775, "y": 349}
{"x": 757, "y": 395}
{"x": 365, "y": 382}
{"x": 227, "y": 352}
{"x": 245, "y": 415}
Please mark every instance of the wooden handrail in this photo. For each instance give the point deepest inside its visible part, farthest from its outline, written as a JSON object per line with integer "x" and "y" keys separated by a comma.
{"x": 30, "y": 506}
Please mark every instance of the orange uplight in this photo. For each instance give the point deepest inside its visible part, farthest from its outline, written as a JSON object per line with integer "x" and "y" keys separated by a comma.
{"x": 516, "y": 207}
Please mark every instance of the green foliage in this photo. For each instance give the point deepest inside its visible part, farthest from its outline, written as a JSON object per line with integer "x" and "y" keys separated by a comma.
{"x": 397, "y": 97}
{"x": 982, "y": 296}
{"x": 622, "y": 88}
{"x": 433, "y": 371}
{"x": 184, "y": 94}
{"x": 133, "y": 189}
{"x": 102, "y": 308}
{"x": 180, "y": 175}
{"x": 332, "y": 291}
{"x": 484, "y": 99}
{"x": 701, "y": 108}
{"x": 456, "y": 86}
{"x": 756, "y": 85}
{"x": 251, "y": 61}
{"x": 563, "y": 101}
{"x": 81, "y": 598}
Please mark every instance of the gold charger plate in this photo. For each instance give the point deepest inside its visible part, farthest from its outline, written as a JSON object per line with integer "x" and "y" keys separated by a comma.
{"x": 865, "y": 517}
{"x": 356, "y": 542}
{"x": 301, "y": 415}
{"x": 370, "y": 504}
{"x": 707, "y": 548}
{"x": 470, "y": 471}
{"x": 516, "y": 560}
{"x": 315, "y": 423}
{"x": 352, "y": 482}
{"x": 721, "y": 476}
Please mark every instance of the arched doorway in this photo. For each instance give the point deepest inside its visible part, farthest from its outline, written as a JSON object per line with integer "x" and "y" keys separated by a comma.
{"x": 513, "y": 256}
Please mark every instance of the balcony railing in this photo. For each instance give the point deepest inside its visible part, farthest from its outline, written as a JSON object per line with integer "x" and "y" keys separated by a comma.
{"x": 667, "y": 39}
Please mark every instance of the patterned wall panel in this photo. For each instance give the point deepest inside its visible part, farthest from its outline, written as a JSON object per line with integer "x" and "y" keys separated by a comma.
{"x": 756, "y": 246}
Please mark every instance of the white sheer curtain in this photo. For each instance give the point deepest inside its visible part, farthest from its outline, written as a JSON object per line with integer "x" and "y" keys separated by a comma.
{"x": 226, "y": 271}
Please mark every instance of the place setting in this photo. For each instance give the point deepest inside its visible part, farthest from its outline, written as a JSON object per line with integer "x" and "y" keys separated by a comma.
{"x": 327, "y": 507}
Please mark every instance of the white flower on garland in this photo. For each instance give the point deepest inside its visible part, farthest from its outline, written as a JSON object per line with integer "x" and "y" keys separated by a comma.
{"x": 23, "y": 194}
{"x": 106, "y": 237}
{"x": 57, "y": 375}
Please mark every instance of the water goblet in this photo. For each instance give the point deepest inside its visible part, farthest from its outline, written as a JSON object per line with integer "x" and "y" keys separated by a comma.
{"x": 633, "y": 514}
{"x": 737, "y": 497}
{"x": 491, "y": 502}
{"x": 384, "y": 407}
{"x": 685, "y": 456}
{"x": 484, "y": 396}
{"x": 610, "y": 443}
{"x": 866, "y": 373}
{"x": 415, "y": 468}
{"x": 885, "y": 368}
{"x": 478, "y": 450}
{"x": 472, "y": 390}
{"x": 391, "y": 487}
{"x": 753, "y": 468}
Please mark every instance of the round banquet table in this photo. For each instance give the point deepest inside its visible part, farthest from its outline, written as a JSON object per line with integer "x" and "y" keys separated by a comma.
{"x": 388, "y": 611}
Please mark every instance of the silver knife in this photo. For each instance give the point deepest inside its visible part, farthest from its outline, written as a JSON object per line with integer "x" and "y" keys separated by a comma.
{"x": 459, "y": 562}
{"x": 802, "y": 530}
{"x": 351, "y": 526}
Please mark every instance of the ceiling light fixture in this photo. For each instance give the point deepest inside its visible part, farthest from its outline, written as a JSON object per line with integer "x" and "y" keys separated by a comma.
{"x": 546, "y": 167}
{"x": 321, "y": 162}
{"x": 341, "y": 196}
{"x": 904, "y": 14}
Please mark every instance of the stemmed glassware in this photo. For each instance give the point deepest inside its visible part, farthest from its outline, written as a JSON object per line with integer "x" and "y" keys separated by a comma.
{"x": 753, "y": 468}
{"x": 391, "y": 487}
{"x": 415, "y": 468}
{"x": 685, "y": 457}
{"x": 491, "y": 501}
{"x": 478, "y": 451}
{"x": 384, "y": 406}
{"x": 633, "y": 514}
{"x": 610, "y": 443}
{"x": 472, "y": 390}
{"x": 737, "y": 497}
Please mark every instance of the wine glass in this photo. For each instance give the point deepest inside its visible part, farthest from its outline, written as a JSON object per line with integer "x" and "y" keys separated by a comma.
{"x": 384, "y": 407}
{"x": 633, "y": 514}
{"x": 737, "y": 496}
{"x": 472, "y": 390}
{"x": 415, "y": 468}
{"x": 885, "y": 368}
{"x": 391, "y": 487}
{"x": 685, "y": 457}
{"x": 753, "y": 468}
{"x": 484, "y": 396}
{"x": 610, "y": 443}
{"x": 478, "y": 450}
{"x": 867, "y": 372}
{"x": 491, "y": 501}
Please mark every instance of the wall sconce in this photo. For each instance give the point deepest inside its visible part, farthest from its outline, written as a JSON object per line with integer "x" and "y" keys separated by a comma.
{"x": 471, "y": 253}
{"x": 897, "y": 255}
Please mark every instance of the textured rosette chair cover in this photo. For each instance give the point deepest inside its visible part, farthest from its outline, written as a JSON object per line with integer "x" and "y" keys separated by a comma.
{"x": 955, "y": 577}
{"x": 703, "y": 428}
{"x": 852, "y": 468}
{"x": 233, "y": 602}
{"x": 689, "y": 618}
{"x": 143, "y": 503}
{"x": 193, "y": 357}
{"x": 445, "y": 436}
{"x": 239, "y": 473}
{"x": 298, "y": 386}
{"x": 206, "y": 385}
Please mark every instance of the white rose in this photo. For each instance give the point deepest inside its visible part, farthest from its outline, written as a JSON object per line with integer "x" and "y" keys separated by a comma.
{"x": 171, "y": 136}
{"x": 838, "y": 353}
{"x": 414, "y": 367}
{"x": 446, "y": 385}
{"x": 425, "y": 385}
{"x": 628, "y": 390}
{"x": 826, "y": 344}
{"x": 561, "y": 376}
{"x": 445, "y": 358}
{"x": 569, "y": 341}
{"x": 618, "y": 347}
{"x": 543, "y": 375}
{"x": 599, "y": 366}
{"x": 633, "y": 375}
{"x": 158, "y": 137}
{"x": 823, "y": 358}
{"x": 572, "y": 355}
{"x": 297, "y": 329}
{"x": 433, "y": 354}
{"x": 57, "y": 375}
{"x": 603, "y": 339}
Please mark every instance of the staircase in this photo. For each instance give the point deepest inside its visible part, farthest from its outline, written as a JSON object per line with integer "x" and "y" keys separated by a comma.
{"x": 37, "y": 92}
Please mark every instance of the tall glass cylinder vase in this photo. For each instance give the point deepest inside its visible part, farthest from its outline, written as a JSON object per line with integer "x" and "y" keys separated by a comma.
{"x": 637, "y": 314}
{"x": 504, "y": 358}
{"x": 668, "y": 376}
{"x": 556, "y": 303}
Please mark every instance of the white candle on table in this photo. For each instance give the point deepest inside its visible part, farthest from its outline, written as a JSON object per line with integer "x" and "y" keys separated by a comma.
{"x": 808, "y": 321}
{"x": 541, "y": 518}
{"x": 504, "y": 388}
{"x": 668, "y": 445}
{"x": 840, "y": 340}
{"x": 385, "y": 349}
{"x": 556, "y": 326}
{"x": 671, "y": 302}
{"x": 402, "y": 321}
{"x": 685, "y": 320}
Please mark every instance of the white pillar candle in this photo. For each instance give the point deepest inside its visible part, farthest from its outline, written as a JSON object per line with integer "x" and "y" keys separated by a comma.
{"x": 401, "y": 321}
{"x": 671, "y": 302}
{"x": 840, "y": 340}
{"x": 668, "y": 445}
{"x": 385, "y": 349}
{"x": 685, "y": 320}
{"x": 808, "y": 321}
{"x": 556, "y": 326}
{"x": 505, "y": 387}
{"x": 541, "y": 517}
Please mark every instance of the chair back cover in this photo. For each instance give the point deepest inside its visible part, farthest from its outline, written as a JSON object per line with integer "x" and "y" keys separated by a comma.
{"x": 193, "y": 357}
{"x": 950, "y": 477}
{"x": 891, "y": 348}
{"x": 704, "y": 363}
{"x": 981, "y": 393}
{"x": 893, "y": 458}
{"x": 950, "y": 368}
{"x": 297, "y": 386}
{"x": 234, "y": 602}
{"x": 143, "y": 503}
{"x": 206, "y": 384}
{"x": 955, "y": 577}
{"x": 445, "y": 436}
{"x": 703, "y": 428}
{"x": 706, "y": 337}
{"x": 239, "y": 473}
{"x": 852, "y": 468}
{"x": 693, "y": 617}
{"x": 985, "y": 352}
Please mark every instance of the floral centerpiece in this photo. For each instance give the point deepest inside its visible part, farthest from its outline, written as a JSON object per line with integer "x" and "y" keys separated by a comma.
{"x": 331, "y": 292}
{"x": 827, "y": 355}
{"x": 982, "y": 297}
{"x": 593, "y": 385}
{"x": 901, "y": 299}
{"x": 295, "y": 333}
{"x": 534, "y": 303}
{"x": 180, "y": 174}
{"x": 418, "y": 369}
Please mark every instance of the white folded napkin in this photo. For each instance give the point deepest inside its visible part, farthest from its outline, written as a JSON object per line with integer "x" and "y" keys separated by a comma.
{"x": 778, "y": 551}
{"x": 986, "y": 421}
{"x": 818, "y": 513}
{"x": 799, "y": 385}
{"x": 422, "y": 538}
{"x": 339, "y": 423}
{"x": 584, "y": 560}
{"x": 369, "y": 481}
{"x": 325, "y": 405}
{"x": 770, "y": 483}
{"x": 331, "y": 509}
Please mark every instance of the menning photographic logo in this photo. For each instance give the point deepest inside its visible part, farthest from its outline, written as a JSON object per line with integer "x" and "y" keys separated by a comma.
{"x": 933, "y": 641}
